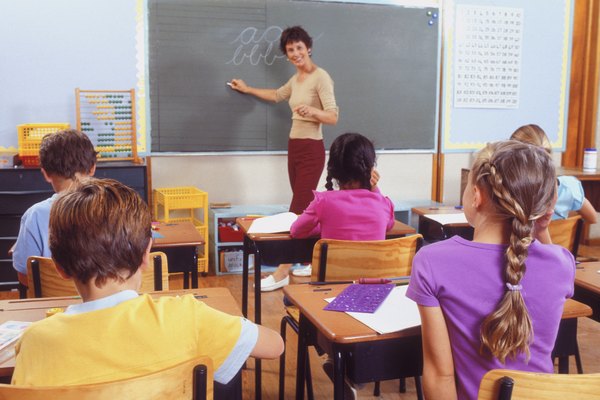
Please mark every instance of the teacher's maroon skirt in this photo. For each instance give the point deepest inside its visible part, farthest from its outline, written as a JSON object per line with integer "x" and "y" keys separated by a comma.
{"x": 306, "y": 159}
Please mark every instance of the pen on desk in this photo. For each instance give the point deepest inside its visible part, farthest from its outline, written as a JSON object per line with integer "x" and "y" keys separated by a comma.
{"x": 322, "y": 290}
{"x": 364, "y": 281}
{"x": 200, "y": 296}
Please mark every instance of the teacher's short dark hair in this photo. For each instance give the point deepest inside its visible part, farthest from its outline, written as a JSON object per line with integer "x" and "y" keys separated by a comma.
{"x": 294, "y": 34}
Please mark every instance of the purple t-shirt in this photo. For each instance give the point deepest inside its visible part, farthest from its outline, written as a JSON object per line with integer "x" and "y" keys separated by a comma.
{"x": 466, "y": 280}
{"x": 356, "y": 214}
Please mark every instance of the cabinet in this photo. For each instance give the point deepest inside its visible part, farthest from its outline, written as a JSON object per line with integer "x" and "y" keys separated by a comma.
{"x": 20, "y": 188}
{"x": 219, "y": 245}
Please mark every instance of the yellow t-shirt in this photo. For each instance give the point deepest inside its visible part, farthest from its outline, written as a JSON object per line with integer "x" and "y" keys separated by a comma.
{"x": 317, "y": 91}
{"x": 135, "y": 337}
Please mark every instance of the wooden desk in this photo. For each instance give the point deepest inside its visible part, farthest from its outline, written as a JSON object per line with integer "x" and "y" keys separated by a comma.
{"x": 590, "y": 180}
{"x": 587, "y": 286}
{"x": 179, "y": 244}
{"x": 433, "y": 231}
{"x": 279, "y": 248}
{"x": 35, "y": 310}
{"x": 374, "y": 357}
{"x": 275, "y": 249}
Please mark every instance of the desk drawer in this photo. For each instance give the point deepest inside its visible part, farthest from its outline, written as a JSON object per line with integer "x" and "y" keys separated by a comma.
{"x": 19, "y": 202}
{"x": 7, "y": 272}
{"x": 5, "y": 245}
{"x": 23, "y": 179}
{"x": 9, "y": 225}
{"x": 129, "y": 176}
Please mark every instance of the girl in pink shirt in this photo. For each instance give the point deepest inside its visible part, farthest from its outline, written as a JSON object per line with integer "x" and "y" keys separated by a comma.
{"x": 358, "y": 211}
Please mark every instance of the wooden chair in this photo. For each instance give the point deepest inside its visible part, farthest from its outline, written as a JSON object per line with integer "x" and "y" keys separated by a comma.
{"x": 43, "y": 280}
{"x": 567, "y": 232}
{"x": 501, "y": 384}
{"x": 187, "y": 380}
{"x": 346, "y": 259}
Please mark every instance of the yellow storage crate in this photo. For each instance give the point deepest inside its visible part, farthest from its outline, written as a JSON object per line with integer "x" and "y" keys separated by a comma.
{"x": 184, "y": 199}
{"x": 203, "y": 250}
{"x": 182, "y": 204}
{"x": 30, "y": 139}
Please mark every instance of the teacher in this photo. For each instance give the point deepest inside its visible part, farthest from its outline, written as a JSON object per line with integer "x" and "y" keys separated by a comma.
{"x": 312, "y": 101}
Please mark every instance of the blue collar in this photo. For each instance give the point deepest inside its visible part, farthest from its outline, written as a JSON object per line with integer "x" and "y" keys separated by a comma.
{"x": 100, "y": 304}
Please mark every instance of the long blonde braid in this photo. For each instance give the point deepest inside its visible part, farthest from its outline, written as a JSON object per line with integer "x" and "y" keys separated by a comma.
{"x": 520, "y": 179}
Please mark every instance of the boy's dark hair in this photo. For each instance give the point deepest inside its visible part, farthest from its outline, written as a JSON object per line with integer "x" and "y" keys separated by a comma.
{"x": 294, "y": 34}
{"x": 351, "y": 158}
{"x": 99, "y": 229}
{"x": 66, "y": 153}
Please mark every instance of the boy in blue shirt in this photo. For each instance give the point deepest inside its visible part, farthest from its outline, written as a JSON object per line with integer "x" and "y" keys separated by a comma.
{"x": 65, "y": 156}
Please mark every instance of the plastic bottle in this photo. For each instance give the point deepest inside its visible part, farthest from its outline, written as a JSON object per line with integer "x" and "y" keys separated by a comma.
{"x": 590, "y": 159}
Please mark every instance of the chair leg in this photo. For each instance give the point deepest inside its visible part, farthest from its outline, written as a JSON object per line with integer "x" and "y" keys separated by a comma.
{"x": 377, "y": 389}
{"x": 578, "y": 362}
{"x": 419, "y": 387}
{"x": 309, "y": 386}
{"x": 402, "y": 385}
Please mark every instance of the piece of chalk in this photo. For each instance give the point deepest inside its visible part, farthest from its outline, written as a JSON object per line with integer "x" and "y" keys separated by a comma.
{"x": 228, "y": 84}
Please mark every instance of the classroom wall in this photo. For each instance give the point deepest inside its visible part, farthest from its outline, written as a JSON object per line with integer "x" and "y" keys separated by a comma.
{"x": 263, "y": 179}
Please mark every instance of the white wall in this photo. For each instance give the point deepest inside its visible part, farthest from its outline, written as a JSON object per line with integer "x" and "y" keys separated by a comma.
{"x": 263, "y": 179}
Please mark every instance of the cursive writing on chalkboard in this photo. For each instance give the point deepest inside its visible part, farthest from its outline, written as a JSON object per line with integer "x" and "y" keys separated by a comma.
{"x": 251, "y": 46}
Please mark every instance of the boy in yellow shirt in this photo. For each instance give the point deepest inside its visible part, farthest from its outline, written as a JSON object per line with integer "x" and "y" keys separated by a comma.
{"x": 100, "y": 236}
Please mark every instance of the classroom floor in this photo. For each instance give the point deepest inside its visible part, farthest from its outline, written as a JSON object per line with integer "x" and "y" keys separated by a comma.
{"x": 273, "y": 311}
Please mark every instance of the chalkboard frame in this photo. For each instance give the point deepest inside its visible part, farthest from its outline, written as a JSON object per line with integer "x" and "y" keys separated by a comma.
{"x": 274, "y": 78}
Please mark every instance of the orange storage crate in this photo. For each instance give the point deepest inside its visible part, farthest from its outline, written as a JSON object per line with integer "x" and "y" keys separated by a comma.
{"x": 30, "y": 139}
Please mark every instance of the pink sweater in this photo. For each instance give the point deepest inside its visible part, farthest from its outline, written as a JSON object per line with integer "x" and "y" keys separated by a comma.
{"x": 356, "y": 214}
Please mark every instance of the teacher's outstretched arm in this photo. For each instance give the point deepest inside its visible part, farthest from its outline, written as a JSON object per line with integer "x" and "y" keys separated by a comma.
{"x": 263, "y": 94}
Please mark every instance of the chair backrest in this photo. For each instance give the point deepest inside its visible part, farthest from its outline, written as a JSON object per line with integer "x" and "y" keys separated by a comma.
{"x": 43, "y": 280}
{"x": 191, "y": 379}
{"x": 157, "y": 276}
{"x": 348, "y": 259}
{"x": 567, "y": 232}
{"x": 502, "y": 384}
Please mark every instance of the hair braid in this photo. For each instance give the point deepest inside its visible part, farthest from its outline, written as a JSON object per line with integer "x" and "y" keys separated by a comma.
{"x": 520, "y": 181}
{"x": 329, "y": 182}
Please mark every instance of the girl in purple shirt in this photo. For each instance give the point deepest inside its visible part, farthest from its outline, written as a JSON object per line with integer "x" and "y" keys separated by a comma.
{"x": 358, "y": 211}
{"x": 496, "y": 301}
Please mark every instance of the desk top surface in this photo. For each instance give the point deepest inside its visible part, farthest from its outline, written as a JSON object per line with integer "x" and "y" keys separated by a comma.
{"x": 399, "y": 229}
{"x": 587, "y": 276}
{"x": 177, "y": 234}
{"x": 336, "y": 326}
{"x": 35, "y": 310}
{"x": 579, "y": 173}
{"x": 341, "y": 328}
{"x": 420, "y": 211}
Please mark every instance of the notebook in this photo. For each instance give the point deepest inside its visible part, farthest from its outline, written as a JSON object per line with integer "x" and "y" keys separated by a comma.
{"x": 10, "y": 331}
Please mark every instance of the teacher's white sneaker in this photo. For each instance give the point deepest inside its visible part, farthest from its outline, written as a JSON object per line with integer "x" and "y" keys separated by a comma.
{"x": 269, "y": 284}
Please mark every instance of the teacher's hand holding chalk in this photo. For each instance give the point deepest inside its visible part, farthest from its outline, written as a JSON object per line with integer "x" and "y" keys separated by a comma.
{"x": 239, "y": 85}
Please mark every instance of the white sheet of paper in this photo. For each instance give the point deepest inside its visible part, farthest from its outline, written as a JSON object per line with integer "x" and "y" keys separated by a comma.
{"x": 397, "y": 312}
{"x": 443, "y": 219}
{"x": 273, "y": 223}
